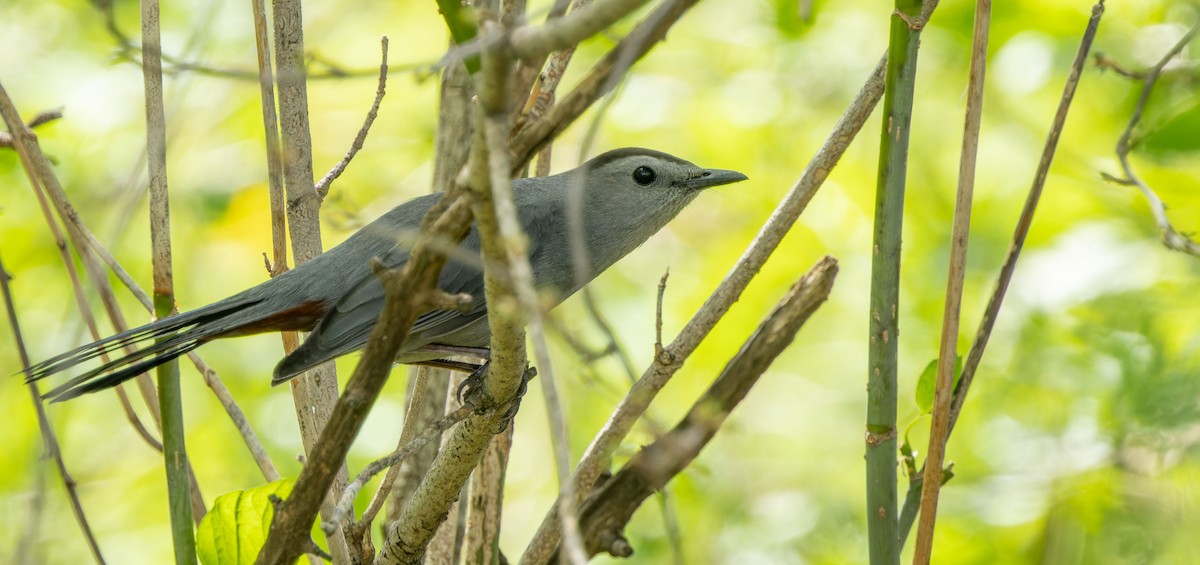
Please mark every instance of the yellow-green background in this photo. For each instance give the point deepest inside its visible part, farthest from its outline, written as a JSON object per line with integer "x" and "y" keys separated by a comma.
{"x": 1078, "y": 444}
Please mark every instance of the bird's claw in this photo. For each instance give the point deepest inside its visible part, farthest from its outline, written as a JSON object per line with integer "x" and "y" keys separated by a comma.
{"x": 471, "y": 393}
{"x": 470, "y": 390}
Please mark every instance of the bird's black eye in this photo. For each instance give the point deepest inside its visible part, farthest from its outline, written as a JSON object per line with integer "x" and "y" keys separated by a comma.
{"x": 643, "y": 175}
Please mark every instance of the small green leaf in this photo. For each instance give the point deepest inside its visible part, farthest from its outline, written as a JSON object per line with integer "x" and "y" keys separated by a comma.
{"x": 925, "y": 388}
{"x": 927, "y": 383}
{"x": 234, "y": 530}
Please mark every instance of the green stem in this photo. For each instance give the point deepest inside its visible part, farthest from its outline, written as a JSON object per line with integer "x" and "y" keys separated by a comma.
{"x": 461, "y": 22}
{"x": 170, "y": 405}
{"x": 885, "y": 286}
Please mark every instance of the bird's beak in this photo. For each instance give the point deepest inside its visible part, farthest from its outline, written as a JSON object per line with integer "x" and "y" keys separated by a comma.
{"x": 714, "y": 177}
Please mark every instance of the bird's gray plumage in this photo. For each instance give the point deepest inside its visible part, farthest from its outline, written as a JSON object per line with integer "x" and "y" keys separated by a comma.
{"x": 338, "y": 297}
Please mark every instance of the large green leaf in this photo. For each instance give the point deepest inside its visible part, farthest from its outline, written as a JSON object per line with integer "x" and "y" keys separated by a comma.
{"x": 233, "y": 532}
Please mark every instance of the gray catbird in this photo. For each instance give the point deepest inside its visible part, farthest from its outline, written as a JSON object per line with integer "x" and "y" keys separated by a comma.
{"x": 628, "y": 195}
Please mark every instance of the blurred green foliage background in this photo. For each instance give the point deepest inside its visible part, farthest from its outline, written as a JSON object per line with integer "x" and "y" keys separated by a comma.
{"x": 1077, "y": 445}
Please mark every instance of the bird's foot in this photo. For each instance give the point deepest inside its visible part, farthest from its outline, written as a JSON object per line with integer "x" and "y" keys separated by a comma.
{"x": 471, "y": 392}
{"x": 515, "y": 403}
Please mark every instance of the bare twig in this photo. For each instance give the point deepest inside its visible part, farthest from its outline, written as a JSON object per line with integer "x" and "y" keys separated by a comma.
{"x": 266, "y": 92}
{"x": 322, "y": 186}
{"x": 656, "y": 376}
{"x": 277, "y": 265}
{"x": 987, "y": 323}
{"x": 533, "y": 41}
{"x": 481, "y": 530}
{"x": 610, "y": 508}
{"x": 948, "y": 351}
{"x": 415, "y": 401}
{"x": 130, "y": 51}
{"x": 6, "y": 140}
{"x": 406, "y": 539}
{"x": 48, "y": 438}
{"x": 411, "y": 444}
{"x": 1170, "y": 237}
{"x": 884, "y": 296}
{"x": 599, "y": 81}
{"x": 659, "y": 352}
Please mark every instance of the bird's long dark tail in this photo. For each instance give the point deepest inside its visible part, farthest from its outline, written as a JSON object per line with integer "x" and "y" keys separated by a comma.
{"x": 171, "y": 337}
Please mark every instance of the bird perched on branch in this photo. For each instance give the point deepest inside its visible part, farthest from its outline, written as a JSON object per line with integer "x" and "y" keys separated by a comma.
{"x": 627, "y": 195}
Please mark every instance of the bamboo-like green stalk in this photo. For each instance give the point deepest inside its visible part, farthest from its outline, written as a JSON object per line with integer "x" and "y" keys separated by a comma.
{"x": 885, "y": 284}
{"x": 170, "y": 402}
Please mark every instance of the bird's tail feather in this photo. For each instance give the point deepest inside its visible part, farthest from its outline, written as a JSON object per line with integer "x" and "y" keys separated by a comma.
{"x": 174, "y": 336}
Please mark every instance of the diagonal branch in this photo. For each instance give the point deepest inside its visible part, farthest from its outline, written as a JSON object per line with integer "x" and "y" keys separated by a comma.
{"x": 609, "y": 509}
{"x": 48, "y": 437}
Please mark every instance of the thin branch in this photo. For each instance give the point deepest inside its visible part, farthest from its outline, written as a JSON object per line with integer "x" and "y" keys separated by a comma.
{"x": 48, "y": 438}
{"x": 530, "y": 41}
{"x": 278, "y": 264}
{"x": 609, "y": 509}
{"x": 322, "y": 186}
{"x": 128, "y": 50}
{"x": 410, "y": 445}
{"x": 600, "y": 80}
{"x": 988, "y": 322}
{"x": 315, "y": 392}
{"x": 722, "y": 299}
{"x": 511, "y": 240}
{"x": 1170, "y": 237}
{"x": 411, "y": 415}
{"x": 6, "y": 139}
{"x": 480, "y": 543}
{"x": 948, "y": 349}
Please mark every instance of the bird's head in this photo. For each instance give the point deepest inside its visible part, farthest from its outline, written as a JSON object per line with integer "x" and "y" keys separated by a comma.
{"x": 627, "y": 195}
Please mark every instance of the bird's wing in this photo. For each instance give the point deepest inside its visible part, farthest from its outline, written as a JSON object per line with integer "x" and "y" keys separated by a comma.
{"x": 347, "y": 325}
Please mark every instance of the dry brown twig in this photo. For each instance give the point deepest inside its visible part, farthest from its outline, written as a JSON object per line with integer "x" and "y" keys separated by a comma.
{"x": 410, "y": 445}
{"x": 49, "y": 441}
{"x": 609, "y": 509}
{"x": 948, "y": 347}
{"x": 1170, "y": 237}
{"x": 6, "y": 139}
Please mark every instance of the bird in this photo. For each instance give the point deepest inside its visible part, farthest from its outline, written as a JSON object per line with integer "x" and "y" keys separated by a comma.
{"x": 626, "y": 196}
